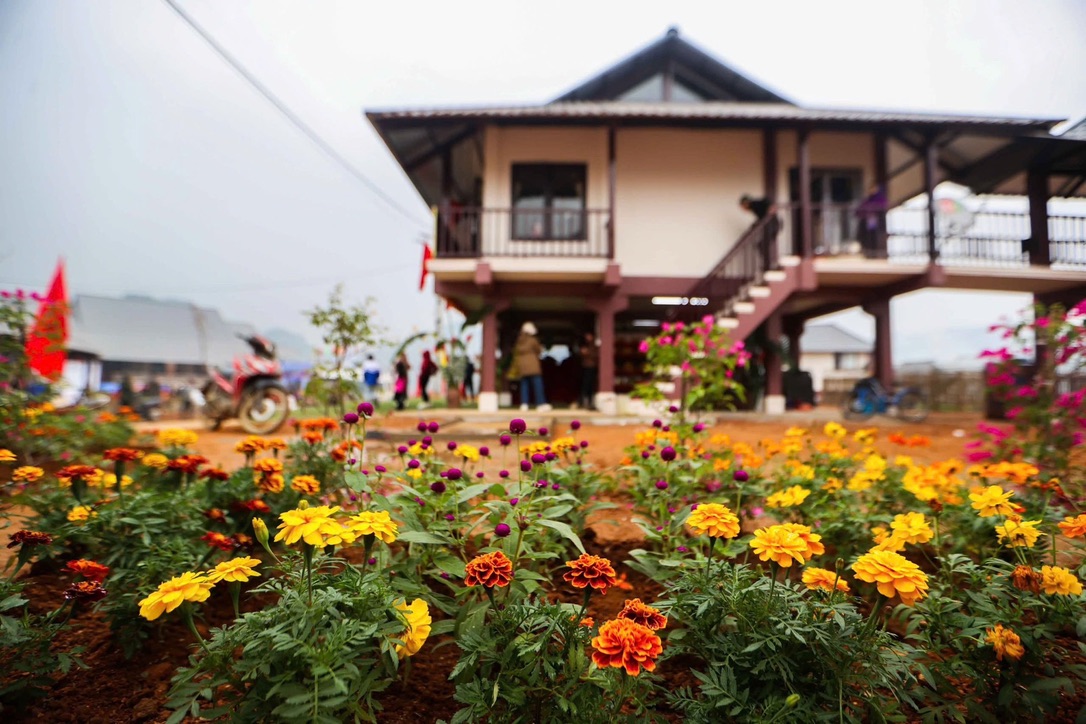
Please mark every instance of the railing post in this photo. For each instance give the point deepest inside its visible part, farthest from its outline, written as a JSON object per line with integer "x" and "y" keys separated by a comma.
{"x": 803, "y": 161}
{"x": 1037, "y": 191}
{"x": 930, "y": 161}
{"x": 612, "y": 186}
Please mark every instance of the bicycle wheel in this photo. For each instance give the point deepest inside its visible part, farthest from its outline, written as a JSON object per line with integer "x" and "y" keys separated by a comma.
{"x": 912, "y": 407}
{"x": 858, "y": 407}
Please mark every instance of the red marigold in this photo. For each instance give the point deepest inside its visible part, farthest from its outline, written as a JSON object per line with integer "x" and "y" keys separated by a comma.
{"x": 218, "y": 540}
{"x": 216, "y": 514}
{"x": 256, "y": 505}
{"x": 489, "y": 570}
{"x": 313, "y": 437}
{"x": 122, "y": 454}
{"x": 644, "y": 614}
{"x": 187, "y": 464}
{"x": 241, "y": 540}
{"x": 626, "y": 644}
{"x": 85, "y": 591}
{"x": 214, "y": 474}
{"x": 29, "y": 538}
{"x": 90, "y": 570}
{"x": 591, "y": 571}
{"x": 77, "y": 472}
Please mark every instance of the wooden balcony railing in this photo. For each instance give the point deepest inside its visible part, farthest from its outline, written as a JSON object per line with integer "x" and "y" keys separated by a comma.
{"x": 466, "y": 232}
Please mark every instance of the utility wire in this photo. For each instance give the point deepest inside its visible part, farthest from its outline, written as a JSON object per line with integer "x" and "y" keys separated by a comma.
{"x": 291, "y": 115}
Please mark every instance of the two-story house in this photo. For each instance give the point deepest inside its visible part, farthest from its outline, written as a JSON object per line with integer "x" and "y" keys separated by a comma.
{"x": 616, "y": 206}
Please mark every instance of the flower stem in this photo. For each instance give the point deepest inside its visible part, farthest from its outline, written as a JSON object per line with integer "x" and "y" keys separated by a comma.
{"x": 709, "y": 555}
{"x": 186, "y": 613}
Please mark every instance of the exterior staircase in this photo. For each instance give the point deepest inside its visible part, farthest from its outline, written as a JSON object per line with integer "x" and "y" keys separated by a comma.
{"x": 749, "y": 282}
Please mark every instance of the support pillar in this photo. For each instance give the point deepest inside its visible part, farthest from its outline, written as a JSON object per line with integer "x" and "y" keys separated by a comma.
{"x": 771, "y": 252}
{"x": 882, "y": 180}
{"x": 930, "y": 161}
{"x": 883, "y": 358}
{"x": 606, "y": 309}
{"x": 793, "y": 330}
{"x": 488, "y": 362}
{"x": 774, "y": 379}
{"x": 1037, "y": 191}
{"x": 806, "y": 224}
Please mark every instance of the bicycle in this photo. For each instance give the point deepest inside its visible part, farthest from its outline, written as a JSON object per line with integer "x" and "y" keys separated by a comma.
{"x": 869, "y": 398}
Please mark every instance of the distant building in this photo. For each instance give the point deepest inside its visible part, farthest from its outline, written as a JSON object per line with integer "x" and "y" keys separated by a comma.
{"x": 829, "y": 352}
{"x": 146, "y": 338}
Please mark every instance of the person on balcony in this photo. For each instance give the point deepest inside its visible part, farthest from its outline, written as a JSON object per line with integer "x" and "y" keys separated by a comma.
{"x": 762, "y": 208}
{"x": 870, "y": 212}
{"x": 526, "y": 354}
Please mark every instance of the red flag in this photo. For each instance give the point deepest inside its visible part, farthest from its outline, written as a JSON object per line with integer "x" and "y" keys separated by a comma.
{"x": 45, "y": 345}
{"x": 427, "y": 255}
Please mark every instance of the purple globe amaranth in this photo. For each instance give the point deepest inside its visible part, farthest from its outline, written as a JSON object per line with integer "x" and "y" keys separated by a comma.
{"x": 433, "y": 427}
{"x": 698, "y": 427}
{"x": 421, "y": 427}
{"x": 413, "y": 464}
{"x": 402, "y": 449}
{"x": 454, "y": 474}
{"x": 438, "y": 487}
{"x": 556, "y": 486}
{"x": 543, "y": 431}
{"x": 518, "y": 426}
{"x": 673, "y": 409}
{"x": 502, "y": 530}
{"x": 504, "y": 439}
{"x": 480, "y": 475}
{"x": 380, "y": 469}
{"x": 575, "y": 425}
{"x": 667, "y": 454}
{"x": 741, "y": 476}
{"x": 484, "y": 451}
{"x": 503, "y": 474}
{"x": 657, "y": 423}
{"x": 645, "y": 455}
{"x": 661, "y": 485}
{"x": 451, "y": 445}
{"x": 666, "y": 428}
{"x": 513, "y": 502}
{"x": 525, "y": 465}
{"x": 350, "y": 418}
{"x": 427, "y": 440}
{"x": 450, "y": 517}
{"x": 584, "y": 444}
{"x": 365, "y": 408}
{"x": 539, "y": 458}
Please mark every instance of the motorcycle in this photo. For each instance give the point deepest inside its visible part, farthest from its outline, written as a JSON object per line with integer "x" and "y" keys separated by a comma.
{"x": 254, "y": 393}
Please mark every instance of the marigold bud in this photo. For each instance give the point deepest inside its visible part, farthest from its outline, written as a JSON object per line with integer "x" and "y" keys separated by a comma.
{"x": 303, "y": 504}
{"x": 260, "y": 531}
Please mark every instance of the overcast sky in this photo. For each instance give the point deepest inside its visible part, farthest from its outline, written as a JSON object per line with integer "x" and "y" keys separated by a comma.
{"x": 131, "y": 149}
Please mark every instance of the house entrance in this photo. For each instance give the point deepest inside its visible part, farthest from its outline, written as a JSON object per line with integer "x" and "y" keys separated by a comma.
{"x": 834, "y": 196}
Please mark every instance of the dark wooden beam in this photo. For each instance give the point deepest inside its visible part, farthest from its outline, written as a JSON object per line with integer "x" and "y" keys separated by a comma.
{"x": 438, "y": 150}
{"x": 882, "y": 180}
{"x": 769, "y": 163}
{"x": 612, "y": 189}
{"x": 1037, "y": 192}
{"x": 930, "y": 158}
{"x": 803, "y": 162}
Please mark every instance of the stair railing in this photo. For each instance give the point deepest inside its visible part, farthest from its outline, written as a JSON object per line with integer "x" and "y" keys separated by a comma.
{"x": 745, "y": 264}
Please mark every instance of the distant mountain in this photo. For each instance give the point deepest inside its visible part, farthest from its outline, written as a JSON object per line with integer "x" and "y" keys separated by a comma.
{"x": 292, "y": 346}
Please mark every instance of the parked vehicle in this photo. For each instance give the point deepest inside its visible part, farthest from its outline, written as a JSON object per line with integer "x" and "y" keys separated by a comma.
{"x": 254, "y": 393}
{"x": 869, "y": 397}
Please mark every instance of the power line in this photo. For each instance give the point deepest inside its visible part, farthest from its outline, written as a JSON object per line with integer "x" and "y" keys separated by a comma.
{"x": 289, "y": 114}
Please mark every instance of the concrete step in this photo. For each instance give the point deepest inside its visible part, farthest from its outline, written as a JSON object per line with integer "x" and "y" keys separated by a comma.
{"x": 775, "y": 275}
{"x": 789, "y": 261}
{"x": 758, "y": 292}
{"x": 743, "y": 308}
{"x": 727, "y": 322}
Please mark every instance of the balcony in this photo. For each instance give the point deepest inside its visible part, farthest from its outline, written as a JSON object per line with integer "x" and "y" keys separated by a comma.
{"x": 465, "y": 232}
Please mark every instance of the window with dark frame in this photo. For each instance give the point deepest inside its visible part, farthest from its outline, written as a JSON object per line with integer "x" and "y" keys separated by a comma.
{"x": 549, "y": 201}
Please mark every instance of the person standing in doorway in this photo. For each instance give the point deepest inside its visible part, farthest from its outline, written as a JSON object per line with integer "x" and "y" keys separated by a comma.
{"x": 469, "y": 378}
{"x": 371, "y": 375}
{"x": 428, "y": 369}
{"x": 590, "y": 371}
{"x": 526, "y": 354}
{"x": 402, "y": 368}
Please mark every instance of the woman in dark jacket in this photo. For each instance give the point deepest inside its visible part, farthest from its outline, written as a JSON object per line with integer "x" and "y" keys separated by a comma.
{"x": 526, "y": 353}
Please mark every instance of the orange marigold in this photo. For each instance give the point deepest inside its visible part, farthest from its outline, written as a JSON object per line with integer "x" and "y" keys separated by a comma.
{"x": 780, "y": 545}
{"x": 1074, "y": 527}
{"x": 489, "y": 570}
{"x": 714, "y": 519}
{"x": 643, "y": 614}
{"x": 893, "y": 573}
{"x": 591, "y": 571}
{"x": 1005, "y": 642}
{"x": 623, "y": 643}
{"x": 1025, "y": 578}
{"x": 122, "y": 454}
{"x": 820, "y": 578}
{"x": 90, "y": 570}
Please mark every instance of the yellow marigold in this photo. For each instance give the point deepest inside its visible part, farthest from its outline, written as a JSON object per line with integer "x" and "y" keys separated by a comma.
{"x": 109, "y": 480}
{"x": 753, "y": 461}
{"x": 813, "y": 541}
{"x": 720, "y": 440}
{"x": 715, "y": 520}
{"x": 158, "y": 461}
{"x": 414, "y": 473}
{"x": 1005, "y": 642}
{"x": 780, "y": 545}
{"x": 911, "y": 528}
{"x": 305, "y": 484}
{"x": 467, "y": 452}
{"x": 308, "y": 524}
{"x": 893, "y": 574}
{"x": 376, "y": 523}
{"x": 417, "y": 623}
{"x": 234, "y": 570}
{"x": 81, "y": 514}
{"x": 27, "y": 474}
{"x": 875, "y": 465}
{"x": 865, "y": 436}
{"x": 820, "y": 578}
{"x": 194, "y": 587}
{"x": 176, "y": 437}
{"x": 792, "y": 446}
{"x": 562, "y": 444}
{"x": 622, "y": 643}
{"x": 251, "y": 445}
{"x": 6, "y": 456}
{"x": 418, "y": 450}
{"x": 903, "y": 461}
{"x": 795, "y": 431}
{"x": 1057, "y": 580}
{"x": 861, "y": 481}
{"x": 788, "y": 498}
{"x": 1071, "y": 527}
{"x": 991, "y": 501}
{"x": 276, "y": 443}
{"x": 886, "y": 540}
{"x": 1019, "y": 533}
{"x": 834, "y": 430}
{"x": 271, "y": 482}
{"x": 343, "y": 534}
{"x": 268, "y": 466}
{"x": 832, "y": 485}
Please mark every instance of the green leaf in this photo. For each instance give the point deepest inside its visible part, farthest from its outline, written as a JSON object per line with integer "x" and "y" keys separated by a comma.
{"x": 472, "y": 491}
{"x": 356, "y": 481}
{"x": 564, "y": 530}
{"x": 451, "y": 565}
{"x": 421, "y": 536}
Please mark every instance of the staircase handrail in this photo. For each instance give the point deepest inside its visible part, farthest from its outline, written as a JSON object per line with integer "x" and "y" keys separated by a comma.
{"x": 755, "y": 236}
